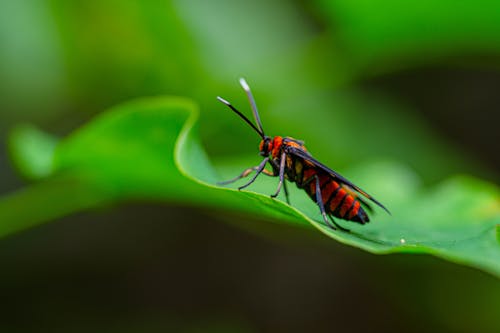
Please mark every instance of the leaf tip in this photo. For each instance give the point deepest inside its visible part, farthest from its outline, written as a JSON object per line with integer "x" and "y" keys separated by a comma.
{"x": 32, "y": 151}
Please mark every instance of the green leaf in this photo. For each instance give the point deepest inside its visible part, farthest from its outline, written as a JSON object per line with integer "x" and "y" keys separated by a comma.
{"x": 456, "y": 220}
{"x": 149, "y": 150}
{"x": 32, "y": 151}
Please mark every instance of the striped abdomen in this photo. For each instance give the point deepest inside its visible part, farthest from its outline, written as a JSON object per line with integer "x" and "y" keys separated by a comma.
{"x": 338, "y": 200}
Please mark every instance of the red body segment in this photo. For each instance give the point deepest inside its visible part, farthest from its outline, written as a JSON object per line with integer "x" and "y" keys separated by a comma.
{"x": 328, "y": 190}
{"x": 348, "y": 202}
{"x": 337, "y": 199}
{"x": 354, "y": 210}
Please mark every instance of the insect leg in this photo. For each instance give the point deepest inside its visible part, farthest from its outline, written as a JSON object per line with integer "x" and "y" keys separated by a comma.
{"x": 276, "y": 173}
{"x": 281, "y": 174}
{"x": 259, "y": 170}
{"x": 319, "y": 201}
{"x": 268, "y": 173}
{"x": 244, "y": 174}
{"x": 285, "y": 188}
{"x": 339, "y": 226}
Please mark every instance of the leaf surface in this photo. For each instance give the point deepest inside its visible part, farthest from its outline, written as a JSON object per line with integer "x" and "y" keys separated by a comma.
{"x": 149, "y": 150}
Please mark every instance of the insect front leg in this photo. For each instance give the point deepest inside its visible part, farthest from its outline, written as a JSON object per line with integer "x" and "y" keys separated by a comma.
{"x": 281, "y": 175}
{"x": 245, "y": 173}
{"x": 260, "y": 169}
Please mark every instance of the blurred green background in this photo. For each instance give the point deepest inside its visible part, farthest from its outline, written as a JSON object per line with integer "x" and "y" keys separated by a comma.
{"x": 360, "y": 81}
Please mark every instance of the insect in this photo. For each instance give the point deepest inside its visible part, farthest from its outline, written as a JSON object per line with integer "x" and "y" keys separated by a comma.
{"x": 335, "y": 195}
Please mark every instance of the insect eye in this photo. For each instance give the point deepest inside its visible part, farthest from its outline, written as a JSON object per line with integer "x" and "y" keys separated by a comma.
{"x": 268, "y": 145}
{"x": 265, "y": 147}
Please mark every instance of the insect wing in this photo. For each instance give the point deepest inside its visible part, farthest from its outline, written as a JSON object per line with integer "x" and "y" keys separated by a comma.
{"x": 306, "y": 156}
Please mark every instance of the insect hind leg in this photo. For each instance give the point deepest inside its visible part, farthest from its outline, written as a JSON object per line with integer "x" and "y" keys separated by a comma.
{"x": 285, "y": 189}
{"x": 319, "y": 201}
{"x": 338, "y": 226}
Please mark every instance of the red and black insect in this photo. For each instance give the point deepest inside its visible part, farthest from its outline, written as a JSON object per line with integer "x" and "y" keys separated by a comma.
{"x": 289, "y": 159}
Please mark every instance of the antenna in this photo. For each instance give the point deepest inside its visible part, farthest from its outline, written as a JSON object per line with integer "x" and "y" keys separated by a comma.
{"x": 241, "y": 115}
{"x": 246, "y": 87}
